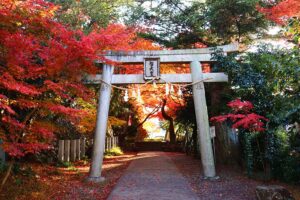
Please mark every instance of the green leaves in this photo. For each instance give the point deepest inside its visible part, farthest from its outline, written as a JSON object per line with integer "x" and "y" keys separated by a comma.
{"x": 85, "y": 14}
{"x": 234, "y": 19}
{"x": 179, "y": 24}
{"x": 270, "y": 78}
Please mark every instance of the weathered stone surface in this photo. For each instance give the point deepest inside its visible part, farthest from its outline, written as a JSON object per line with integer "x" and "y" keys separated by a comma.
{"x": 273, "y": 192}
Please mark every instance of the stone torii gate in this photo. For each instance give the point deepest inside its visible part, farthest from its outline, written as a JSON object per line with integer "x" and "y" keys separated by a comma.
{"x": 192, "y": 56}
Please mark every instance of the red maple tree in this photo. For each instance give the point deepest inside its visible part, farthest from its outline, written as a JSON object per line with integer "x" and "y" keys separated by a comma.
{"x": 282, "y": 11}
{"x": 41, "y": 61}
{"x": 242, "y": 117}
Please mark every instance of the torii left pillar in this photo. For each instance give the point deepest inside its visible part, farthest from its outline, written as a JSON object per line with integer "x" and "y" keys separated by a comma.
{"x": 101, "y": 125}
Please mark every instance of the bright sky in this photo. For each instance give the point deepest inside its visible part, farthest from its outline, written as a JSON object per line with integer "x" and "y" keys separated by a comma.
{"x": 152, "y": 126}
{"x": 276, "y": 42}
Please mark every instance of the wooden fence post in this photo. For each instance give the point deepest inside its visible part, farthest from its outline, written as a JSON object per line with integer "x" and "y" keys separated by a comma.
{"x": 78, "y": 149}
{"x": 82, "y": 147}
{"x": 61, "y": 150}
{"x": 73, "y": 151}
{"x": 106, "y": 144}
{"x": 109, "y": 143}
{"x": 106, "y": 141}
{"x": 67, "y": 151}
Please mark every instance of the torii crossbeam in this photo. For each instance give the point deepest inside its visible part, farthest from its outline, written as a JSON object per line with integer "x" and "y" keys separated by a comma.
{"x": 192, "y": 56}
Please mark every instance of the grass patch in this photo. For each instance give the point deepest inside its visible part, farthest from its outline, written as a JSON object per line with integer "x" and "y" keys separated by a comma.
{"x": 72, "y": 168}
{"x": 65, "y": 164}
{"x": 117, "y": 151}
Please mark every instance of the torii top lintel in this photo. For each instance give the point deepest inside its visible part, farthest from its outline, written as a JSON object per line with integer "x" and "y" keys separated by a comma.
{"x": 165, "y": 56}
{"x": 181, "y": 55}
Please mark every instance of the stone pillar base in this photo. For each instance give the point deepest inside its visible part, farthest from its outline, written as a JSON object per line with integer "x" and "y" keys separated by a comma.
{"x": 211, "y": 178}
{"x": 95, "y": 179}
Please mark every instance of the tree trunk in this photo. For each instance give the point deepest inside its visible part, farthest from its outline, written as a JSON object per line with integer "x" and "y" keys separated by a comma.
{"x": 171, "y": 123}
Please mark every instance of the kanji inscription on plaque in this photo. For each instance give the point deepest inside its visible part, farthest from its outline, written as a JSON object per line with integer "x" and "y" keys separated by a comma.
{"x": 151, "y": 68}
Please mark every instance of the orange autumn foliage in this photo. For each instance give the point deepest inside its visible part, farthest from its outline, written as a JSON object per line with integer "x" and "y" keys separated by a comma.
{"x": 282, "y": 11}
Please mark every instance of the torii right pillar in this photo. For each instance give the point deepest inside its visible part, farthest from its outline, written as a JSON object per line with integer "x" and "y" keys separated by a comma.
{"x": 204, "y": 140}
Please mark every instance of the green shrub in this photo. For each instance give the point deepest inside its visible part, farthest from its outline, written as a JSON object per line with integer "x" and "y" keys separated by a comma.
{"x": 269, "y": 77}
{"x": 64, "y": 164}
{"x": 290, "y": 169}
{"x": 72, "y": 168}
{"x": 117, "y": 151}
{"x": 287, "y": 159}
{"x": 18, "y": 181}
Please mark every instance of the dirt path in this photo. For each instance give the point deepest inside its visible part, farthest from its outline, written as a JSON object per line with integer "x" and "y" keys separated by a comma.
{"x": 152, "y": 175}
